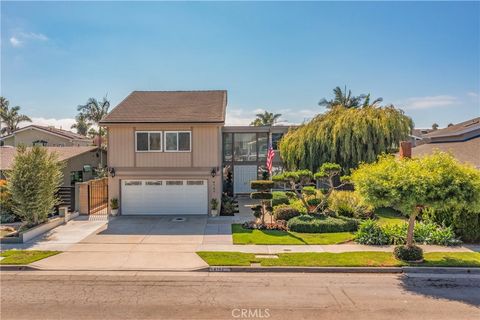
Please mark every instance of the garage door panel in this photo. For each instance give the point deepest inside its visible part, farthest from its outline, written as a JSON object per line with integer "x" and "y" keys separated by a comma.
{"x": 173, "y": 196}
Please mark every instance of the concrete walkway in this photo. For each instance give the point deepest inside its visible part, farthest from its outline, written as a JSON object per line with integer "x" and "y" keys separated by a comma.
{"x": 62, "y": 237}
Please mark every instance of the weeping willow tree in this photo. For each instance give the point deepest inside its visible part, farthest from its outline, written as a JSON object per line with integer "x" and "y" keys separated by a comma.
{"x": 346, "y": 136}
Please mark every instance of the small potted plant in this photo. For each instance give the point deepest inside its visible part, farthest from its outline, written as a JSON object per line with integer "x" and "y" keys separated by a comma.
{"x": 214, "y": 207}
{"x": 114, "y": 206}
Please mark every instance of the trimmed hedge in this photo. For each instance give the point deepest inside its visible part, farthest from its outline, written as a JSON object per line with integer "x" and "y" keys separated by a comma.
{"x": 261, "y": 195}
{"x": 320, "y": 224}
{"x": 279, "y": 198}
{"x": 408, "y": 253}
{"x": 261, "y": 184}
{"x": 285, "y": 212}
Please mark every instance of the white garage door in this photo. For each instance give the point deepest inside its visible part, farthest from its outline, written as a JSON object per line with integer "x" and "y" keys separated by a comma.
{"x": 164, "y": 197}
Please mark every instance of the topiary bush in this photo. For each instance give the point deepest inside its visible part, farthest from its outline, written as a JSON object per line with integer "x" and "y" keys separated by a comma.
{"x": 321, "y": 224}
{"x": 408, "y": 253}
{"x": 261, "y": 195}
{"x": 279, "y": 198}
{"x": 349, "y": 204}
{"x": 261, "y": 184}
{"x": 371, "y": 233}
{"x": 285, "y": 212}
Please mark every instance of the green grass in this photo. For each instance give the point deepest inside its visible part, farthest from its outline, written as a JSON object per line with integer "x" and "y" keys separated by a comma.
{"x": 249, "y": 236}
{"x": 346, "y": 259}
{"x": 451, "y": 259}
{"x": 389, "y": 216}
{"x": 25, "y": 256}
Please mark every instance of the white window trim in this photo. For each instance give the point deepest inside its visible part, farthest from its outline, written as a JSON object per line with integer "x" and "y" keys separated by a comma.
{"x": 148, "y": 142}
{"x": 177, "y": 132}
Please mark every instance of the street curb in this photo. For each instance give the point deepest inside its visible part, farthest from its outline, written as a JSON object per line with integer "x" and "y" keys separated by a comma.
{"x": 308, "y": 269}
{"x": 439, "y": 270}
{"x": 17, "y": 267}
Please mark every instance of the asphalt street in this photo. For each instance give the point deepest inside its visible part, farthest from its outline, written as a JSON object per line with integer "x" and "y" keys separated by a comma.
{"x": 148, "y": 295}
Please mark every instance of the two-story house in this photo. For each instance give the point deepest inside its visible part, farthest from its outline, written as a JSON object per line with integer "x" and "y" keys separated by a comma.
{"x": 170, "y": 153}
{"x": 164, "y": 151}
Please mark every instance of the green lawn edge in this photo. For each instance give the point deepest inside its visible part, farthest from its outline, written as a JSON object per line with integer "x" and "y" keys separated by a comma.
{"x": 23, "y": 257}
{"x": 345, "y": 259}
{"x": 242, "y": 235}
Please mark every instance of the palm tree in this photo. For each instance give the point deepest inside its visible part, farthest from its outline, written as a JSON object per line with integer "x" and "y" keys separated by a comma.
{"x": 9, "y": 117}
{"x": 93, "y": 112}
{"x": 347, "y": 100}
{"x": 266, "y": 119}
{"x": 81, "y": 125}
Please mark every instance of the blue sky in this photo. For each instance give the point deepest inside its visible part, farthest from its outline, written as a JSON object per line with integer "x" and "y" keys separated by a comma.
{"x": 284, "y": 57}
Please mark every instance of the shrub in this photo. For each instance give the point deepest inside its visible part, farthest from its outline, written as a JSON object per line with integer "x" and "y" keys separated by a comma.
{"x": 309, "y": 191}
{"x": 371, "y": 233}
{"x": 279, "y": 198}
{"x": 426, "y": 233}
{"x": 261, "y": 195}
{"x": 285, "y": 212}
{"x": 114, "y": 203}
{"x": 33, "y": 183}
{"x": 349, "y": 204}
{"x": 408, "y": 253}
{"x": 261, "y": 184}
{"x": 466, "y": 224}
{"x": 298, "y": 205}
{"x": 321, "y": 224}
{"x": 6, "y": 217}
{"x": 5, "y": 198}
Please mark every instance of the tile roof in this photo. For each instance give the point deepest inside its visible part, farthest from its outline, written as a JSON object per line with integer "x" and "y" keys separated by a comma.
{"x": 7, "y": 154}
{"x": 170, "y": 107}
{"x": 465, "y": 151}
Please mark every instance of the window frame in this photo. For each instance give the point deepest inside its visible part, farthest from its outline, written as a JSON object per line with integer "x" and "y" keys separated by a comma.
{"x": 148, "y": 141}
{"x": 177, "y": 132}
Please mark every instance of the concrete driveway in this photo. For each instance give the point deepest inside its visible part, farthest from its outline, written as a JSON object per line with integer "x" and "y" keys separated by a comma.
{"x": 136, "y": 243}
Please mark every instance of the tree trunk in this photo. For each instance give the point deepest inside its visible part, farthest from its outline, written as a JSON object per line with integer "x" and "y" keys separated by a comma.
{"x": 411, "y": 226}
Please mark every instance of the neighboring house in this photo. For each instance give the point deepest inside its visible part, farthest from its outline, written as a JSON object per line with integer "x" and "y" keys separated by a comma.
{"x": 417, "y": 136}
{"x": 80, "y": 162}
{"x": 165, "y": 151}
{"x": 462, "y": 140}
{"x": 45, "y": 136}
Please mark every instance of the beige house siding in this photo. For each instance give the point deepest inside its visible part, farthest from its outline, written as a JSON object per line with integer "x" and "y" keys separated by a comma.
{"x": 197, "y": 164}
{"x": 28, "y": 136}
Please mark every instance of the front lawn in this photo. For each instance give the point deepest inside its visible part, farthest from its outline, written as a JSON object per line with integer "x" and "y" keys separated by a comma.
{"x": 25, "y": 256}
{"x": 389, "y": 216}
{"x": 249, "y": 236}
{"x": 346, "y": 259}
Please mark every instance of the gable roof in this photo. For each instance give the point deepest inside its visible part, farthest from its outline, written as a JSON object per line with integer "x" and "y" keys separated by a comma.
{"x": 59, "y": 132}
{"x": 456, "y": 129}
{"x": 7, "y": 154}
{"x": 170, "y": 107}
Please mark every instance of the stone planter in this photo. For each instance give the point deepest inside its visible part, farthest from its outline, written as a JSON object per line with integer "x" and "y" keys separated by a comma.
{"x": 114, "y": 212}
{"x": 214, "y": 213}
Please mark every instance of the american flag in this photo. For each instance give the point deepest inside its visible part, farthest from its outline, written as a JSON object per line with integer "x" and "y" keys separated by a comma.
{"x": 270, "y": 156}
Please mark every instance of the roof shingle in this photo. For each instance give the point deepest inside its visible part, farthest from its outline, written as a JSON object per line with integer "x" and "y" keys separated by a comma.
{"x": 170, "y": 107}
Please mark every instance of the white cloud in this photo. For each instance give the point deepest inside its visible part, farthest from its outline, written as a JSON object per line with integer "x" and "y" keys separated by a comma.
{"x": 429, "y": 102}
{"x": 240, "y": 117}
{"x": 15, "y": 42}
{"x": 20, "y": 38}
{"x": 472, "y": 94}
{"x": 64, "y": 124}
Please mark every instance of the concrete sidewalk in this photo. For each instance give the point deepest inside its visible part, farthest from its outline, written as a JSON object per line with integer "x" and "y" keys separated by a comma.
{"x": 334, "y": 248}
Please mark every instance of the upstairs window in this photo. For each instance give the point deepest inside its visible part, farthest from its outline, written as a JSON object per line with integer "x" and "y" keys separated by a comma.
{"x": 148, "y": 141}
{"x": 178, "y": 141}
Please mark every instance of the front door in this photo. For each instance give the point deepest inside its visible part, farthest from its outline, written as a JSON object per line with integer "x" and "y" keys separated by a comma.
{"x": 242, "y": 175}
